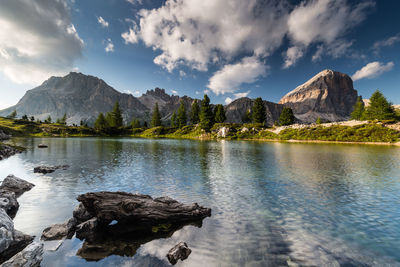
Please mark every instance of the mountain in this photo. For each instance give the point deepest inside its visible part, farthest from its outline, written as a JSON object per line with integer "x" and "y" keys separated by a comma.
{"x": 329, "y": 95}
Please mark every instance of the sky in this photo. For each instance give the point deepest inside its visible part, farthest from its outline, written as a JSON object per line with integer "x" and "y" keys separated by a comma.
{"x": 224, "y": 48}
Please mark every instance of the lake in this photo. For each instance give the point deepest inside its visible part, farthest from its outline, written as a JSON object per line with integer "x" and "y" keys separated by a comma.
{"x": 272, "y": 203}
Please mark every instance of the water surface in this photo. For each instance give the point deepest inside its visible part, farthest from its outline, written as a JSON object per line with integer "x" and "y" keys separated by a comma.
{"x": 272, "y": 203}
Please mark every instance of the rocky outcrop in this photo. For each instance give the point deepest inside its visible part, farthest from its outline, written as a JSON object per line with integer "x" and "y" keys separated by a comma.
{"x": 8, "y": 151}
{"x": 12, "y": 241}
{"x": 4, "y": 136}
{"x": 31, "y": 256}
{"x": 119, "y": 223}
{"x": 329, "y": 95}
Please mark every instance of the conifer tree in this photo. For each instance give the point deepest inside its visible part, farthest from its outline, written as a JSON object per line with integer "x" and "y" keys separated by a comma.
{"x": 156, "y": 118}
{"x": 318, "y": 120}
{"x": 48, "y": 120}
{"x": 173, "y": 120}
{"x": 220, "y": 116}
{"x": 258, "y": 111}
{"x": 287, "y": 116}
{"x": 247, "y": 116}
{"x": 13, "y": 115}
{"x": 181, "y": 117}
{"x": 206, "y": 114}
{"x": 135, "y": 123}
{"x": 379, "y": 108}
{"x": 117, "y": 116}
{"x": 64, "y": 119}
{"x": 358, "y": 110}
{"x": 100, "y": 124}
{"x": 194, "y": 113}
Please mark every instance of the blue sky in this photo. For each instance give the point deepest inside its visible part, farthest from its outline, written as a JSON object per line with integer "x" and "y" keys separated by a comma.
{"x": 227, "y": 48}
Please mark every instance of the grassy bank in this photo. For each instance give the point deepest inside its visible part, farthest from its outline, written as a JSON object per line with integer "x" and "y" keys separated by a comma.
{"x": 368, "y": 132}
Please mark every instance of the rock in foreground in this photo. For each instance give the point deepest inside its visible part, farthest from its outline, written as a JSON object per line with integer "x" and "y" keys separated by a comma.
{"x": 49, "y": 169}
{"x": 16, "y": 185}
{"x": 181, "y": 251}
{"x": 31, "y": 256}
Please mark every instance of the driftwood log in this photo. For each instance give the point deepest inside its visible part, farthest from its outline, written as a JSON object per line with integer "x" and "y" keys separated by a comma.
{"x": 118, "y": 223}
{"x": 140, "y": 209}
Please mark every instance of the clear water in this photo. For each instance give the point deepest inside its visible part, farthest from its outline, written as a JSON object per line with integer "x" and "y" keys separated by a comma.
{"x": 272, "y": 203}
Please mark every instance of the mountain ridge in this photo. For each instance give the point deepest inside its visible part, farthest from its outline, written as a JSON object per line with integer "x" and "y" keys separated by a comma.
{"x": 329, "y": 95}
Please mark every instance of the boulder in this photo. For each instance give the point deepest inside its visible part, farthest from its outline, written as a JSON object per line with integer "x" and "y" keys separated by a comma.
{"x": 87, "y": 229}
{"x": 4, "y": 136}
{"x": 19, "y": 242}
{"x": 60, "y": 231}
{"x": 8, "y": 202}
{"x": 6, "y": 231}
{"x": 31, "y": 256}
{"x": 49, "y": 169}
{"x": 16, "y": 185}
{"x": 179, "y": 252}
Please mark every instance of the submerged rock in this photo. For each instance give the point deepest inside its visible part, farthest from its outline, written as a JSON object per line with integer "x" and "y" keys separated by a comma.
{"x": 60, "y": 231}
{"x": 180, "y": 251}
{"x": 42, "y": 146}
{"x": 49, "y": 169}
{"x": 16, "y": 185}
{"x": 31, "y": 256}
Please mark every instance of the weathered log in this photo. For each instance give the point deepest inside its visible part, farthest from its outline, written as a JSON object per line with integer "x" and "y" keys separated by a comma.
{"x": 16, "y": 185}
{"x": 81, "y": 214}
{"x": 49, "y": 169}
{"x": 31, "y": 256}
{"x": 140, "y": 209}
{"x": 180, "y": 251}
{"x": 60, "y": 231}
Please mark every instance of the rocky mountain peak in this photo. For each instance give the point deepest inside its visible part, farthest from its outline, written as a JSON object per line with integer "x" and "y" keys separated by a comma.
{"x": 329, "y": 95}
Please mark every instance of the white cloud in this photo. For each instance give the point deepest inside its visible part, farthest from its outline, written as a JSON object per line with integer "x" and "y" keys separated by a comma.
{"x": 196, "y": 33}
{"x": 109, "y": 46}
{"x": 293, "y": 54}
{"x": 174, "y": 92}
{"x": 135, "y": 93}
{"x": 326, "y": 22}
{"x": 37, "y": 40}
{"x": 228, "y": 100}
{"x": 372, "y": 70}
{"x": 386, "y": 42}
{"x": 102, "y": 21}
{"x": 182, "y": 73}
{"x": 230, "y": 77}
{"x": 131, "y": 37}
{"x": 135, "y": 2}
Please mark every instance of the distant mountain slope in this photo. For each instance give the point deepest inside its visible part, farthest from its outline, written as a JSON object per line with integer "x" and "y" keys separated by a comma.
{"x": 329, "y": 95}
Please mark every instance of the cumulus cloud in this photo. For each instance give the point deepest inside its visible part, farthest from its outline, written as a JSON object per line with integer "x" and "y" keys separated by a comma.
{"x": 230, "y": 77}
{"x": 196, "y": 33}
{"x": 326, "y": 22}
{"x": 43, "y": 43}
{"x": 372, "y": 70}
{"x": 109, "y": 46}
{"x": 102, "y": 22}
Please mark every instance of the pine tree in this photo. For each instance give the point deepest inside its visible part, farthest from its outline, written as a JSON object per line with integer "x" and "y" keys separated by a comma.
{"x": 48, "y": 120}
{"x": 318, "y": 121}
{"x": 181, "y": 117}
{"x": 194, "y": 113}
{"x": 247, "y": 116}
{"x": 206, "y": 114}
{"x": 379, "y": 108}
{"x": 173, "y": 120}
{"x": 25, "y": 118}
{"x": 135, "y": 123}
{"x": 358, "y": 110}
{"x": 287, "y": 116}
{"x": 156, "y": 119}
{"x": 32, "y": 118}
{"x": 101, "y": 123}
{"x": 258, "y": 111}
{"x": 117, "y": 116}
{"x": 13, "y": 115}
{"x": 64, "y": 119}
{"x": 220, "y": 116}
